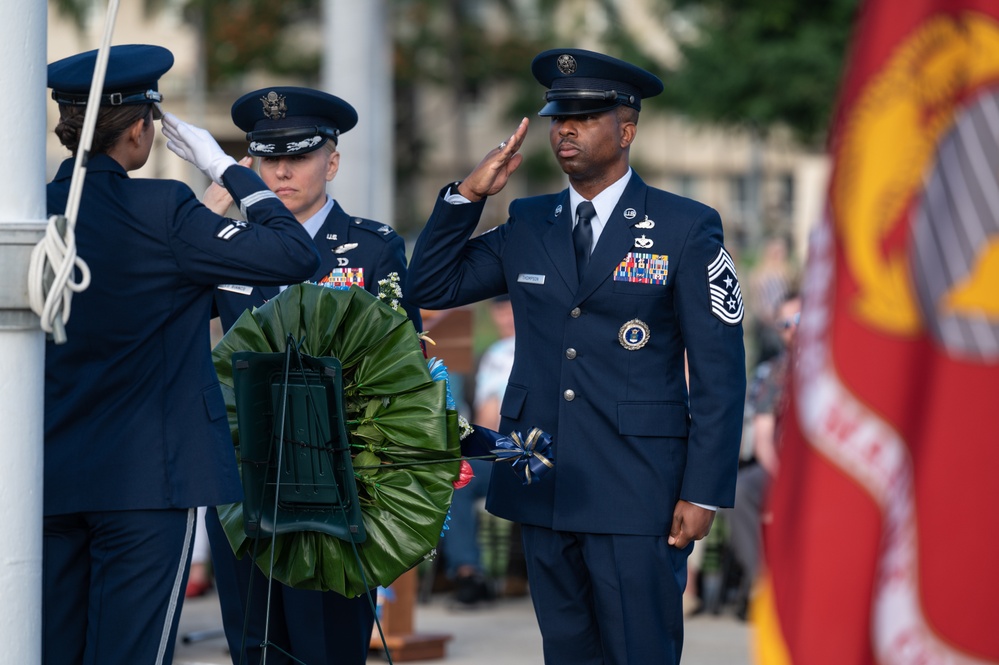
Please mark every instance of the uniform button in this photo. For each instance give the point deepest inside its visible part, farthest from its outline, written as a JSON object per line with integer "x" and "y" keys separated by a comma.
{"x": 570, "y": 353}
{"x": 569, "y": 395}
{"x": 574, "y": 313}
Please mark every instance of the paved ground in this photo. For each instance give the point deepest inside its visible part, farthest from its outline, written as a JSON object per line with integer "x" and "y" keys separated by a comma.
{"x": 504, "y": 633}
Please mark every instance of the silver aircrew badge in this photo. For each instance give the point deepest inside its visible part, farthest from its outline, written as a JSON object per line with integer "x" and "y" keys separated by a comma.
{"x": 346, "y": 247}
{"x": 634, "y": 334}
{"x": 646, "y": 224}
{"x": 643, "y": 242}
{"x": 274, "y": 106}
{"x": 566, "y": 64}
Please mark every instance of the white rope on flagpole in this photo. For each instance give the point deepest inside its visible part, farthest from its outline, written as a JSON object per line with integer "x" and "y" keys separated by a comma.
{"x": 50, "y": 272}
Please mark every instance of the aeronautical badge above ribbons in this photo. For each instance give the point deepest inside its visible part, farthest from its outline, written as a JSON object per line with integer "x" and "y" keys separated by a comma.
{"x": 724, "y": 290}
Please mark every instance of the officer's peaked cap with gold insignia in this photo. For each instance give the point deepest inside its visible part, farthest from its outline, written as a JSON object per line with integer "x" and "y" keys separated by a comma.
{"x": 132, "y": 76}
{"x": 582, "y": 82}
{"x": 288, "y": 120}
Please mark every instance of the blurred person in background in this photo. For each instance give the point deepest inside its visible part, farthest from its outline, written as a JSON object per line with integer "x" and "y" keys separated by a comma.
{"x": 769, "y": 282}
{"x": 460, "y": 543}
{"x": 765, "y": 402}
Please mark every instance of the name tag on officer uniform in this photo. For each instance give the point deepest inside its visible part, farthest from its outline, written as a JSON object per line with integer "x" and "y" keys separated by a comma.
{"x": 236, "y": 288}
{"x": 643, "y": 268}
{"x": 530, "y": 279}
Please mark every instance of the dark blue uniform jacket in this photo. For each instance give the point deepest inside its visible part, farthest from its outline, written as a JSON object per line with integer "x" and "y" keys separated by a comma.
{"x": 345, "y": 244}
{"x": 134, "y": 417}
{"x": 628, "y": 442}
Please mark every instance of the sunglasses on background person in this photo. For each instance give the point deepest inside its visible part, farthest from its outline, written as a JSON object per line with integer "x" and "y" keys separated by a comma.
{"x": 792, "y": 321}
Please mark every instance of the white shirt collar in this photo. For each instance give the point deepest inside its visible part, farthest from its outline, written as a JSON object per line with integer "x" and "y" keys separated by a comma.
{"x": 314, "y": 223}
{"x": 604, "y": 203}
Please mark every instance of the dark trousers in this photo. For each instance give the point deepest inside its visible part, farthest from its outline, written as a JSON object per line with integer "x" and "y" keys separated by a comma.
{"x": 113, "y": 586}
{"x": 315, "y": 627}
{"x": 604, "y": 599}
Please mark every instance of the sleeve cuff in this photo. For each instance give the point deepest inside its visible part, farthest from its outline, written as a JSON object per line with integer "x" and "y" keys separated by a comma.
{"x": 453, "y": 197}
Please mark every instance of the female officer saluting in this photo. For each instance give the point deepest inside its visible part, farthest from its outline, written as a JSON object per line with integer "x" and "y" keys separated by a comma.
{"x": 135, "y": 426}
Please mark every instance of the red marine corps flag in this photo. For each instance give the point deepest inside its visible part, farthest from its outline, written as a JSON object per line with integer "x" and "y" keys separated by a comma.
{"x": 884, "y": 541}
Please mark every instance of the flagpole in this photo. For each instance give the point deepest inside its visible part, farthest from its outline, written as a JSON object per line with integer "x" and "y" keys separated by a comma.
{"x": 22, "y": 342}
{"x": 357, "y": 66}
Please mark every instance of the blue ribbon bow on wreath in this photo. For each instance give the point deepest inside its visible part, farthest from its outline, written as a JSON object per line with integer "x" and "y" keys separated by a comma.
{"x": 530, "y": 457}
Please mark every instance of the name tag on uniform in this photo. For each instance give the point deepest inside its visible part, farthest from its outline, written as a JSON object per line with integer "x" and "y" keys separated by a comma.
{"x": 236, "y": 288}
{"x": 530, "y": 279}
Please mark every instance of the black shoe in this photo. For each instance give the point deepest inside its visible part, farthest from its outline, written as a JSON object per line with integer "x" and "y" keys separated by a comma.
{"x": 473, "y": 589}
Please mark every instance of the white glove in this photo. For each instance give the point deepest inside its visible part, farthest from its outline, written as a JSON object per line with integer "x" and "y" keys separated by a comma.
{"x": 197, "y": 146}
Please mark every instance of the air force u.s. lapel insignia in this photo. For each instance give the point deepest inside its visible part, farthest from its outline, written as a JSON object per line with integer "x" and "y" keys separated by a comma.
{"x": 724, "y": 290}
{"x": 634, "y": 334}
{"x": 558, "y": 210}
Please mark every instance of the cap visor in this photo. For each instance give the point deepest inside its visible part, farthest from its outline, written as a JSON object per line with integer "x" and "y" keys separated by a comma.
{"x": 577, "y": 107}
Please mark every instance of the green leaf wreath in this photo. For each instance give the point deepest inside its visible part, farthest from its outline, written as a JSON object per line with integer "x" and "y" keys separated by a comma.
{"x": 404, "y": 439}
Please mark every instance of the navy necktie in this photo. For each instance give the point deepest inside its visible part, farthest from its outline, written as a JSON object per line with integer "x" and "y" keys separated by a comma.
{"x": 582, "y": 236}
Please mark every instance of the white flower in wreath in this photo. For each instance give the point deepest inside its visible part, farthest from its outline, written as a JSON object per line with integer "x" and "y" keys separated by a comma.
{"x": 390, "y": 291}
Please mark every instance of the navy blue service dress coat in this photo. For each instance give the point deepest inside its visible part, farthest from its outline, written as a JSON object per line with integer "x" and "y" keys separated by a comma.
{"x": 136, "y": 434}
{"x": 134, "y": 416}
{"x": 600, "y": 364}
{"x": 349, "y": 248}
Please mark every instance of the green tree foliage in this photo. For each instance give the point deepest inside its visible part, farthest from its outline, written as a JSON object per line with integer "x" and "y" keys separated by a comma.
{"x": 236, "y": 35}
{"x": 75, "y": 10}
{"x": 761, "y": 64}
{"x": 244, "y": 35}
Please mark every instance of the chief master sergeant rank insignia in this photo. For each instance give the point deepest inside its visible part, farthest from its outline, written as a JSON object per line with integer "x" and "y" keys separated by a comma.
{"x": 723, "y": 287}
